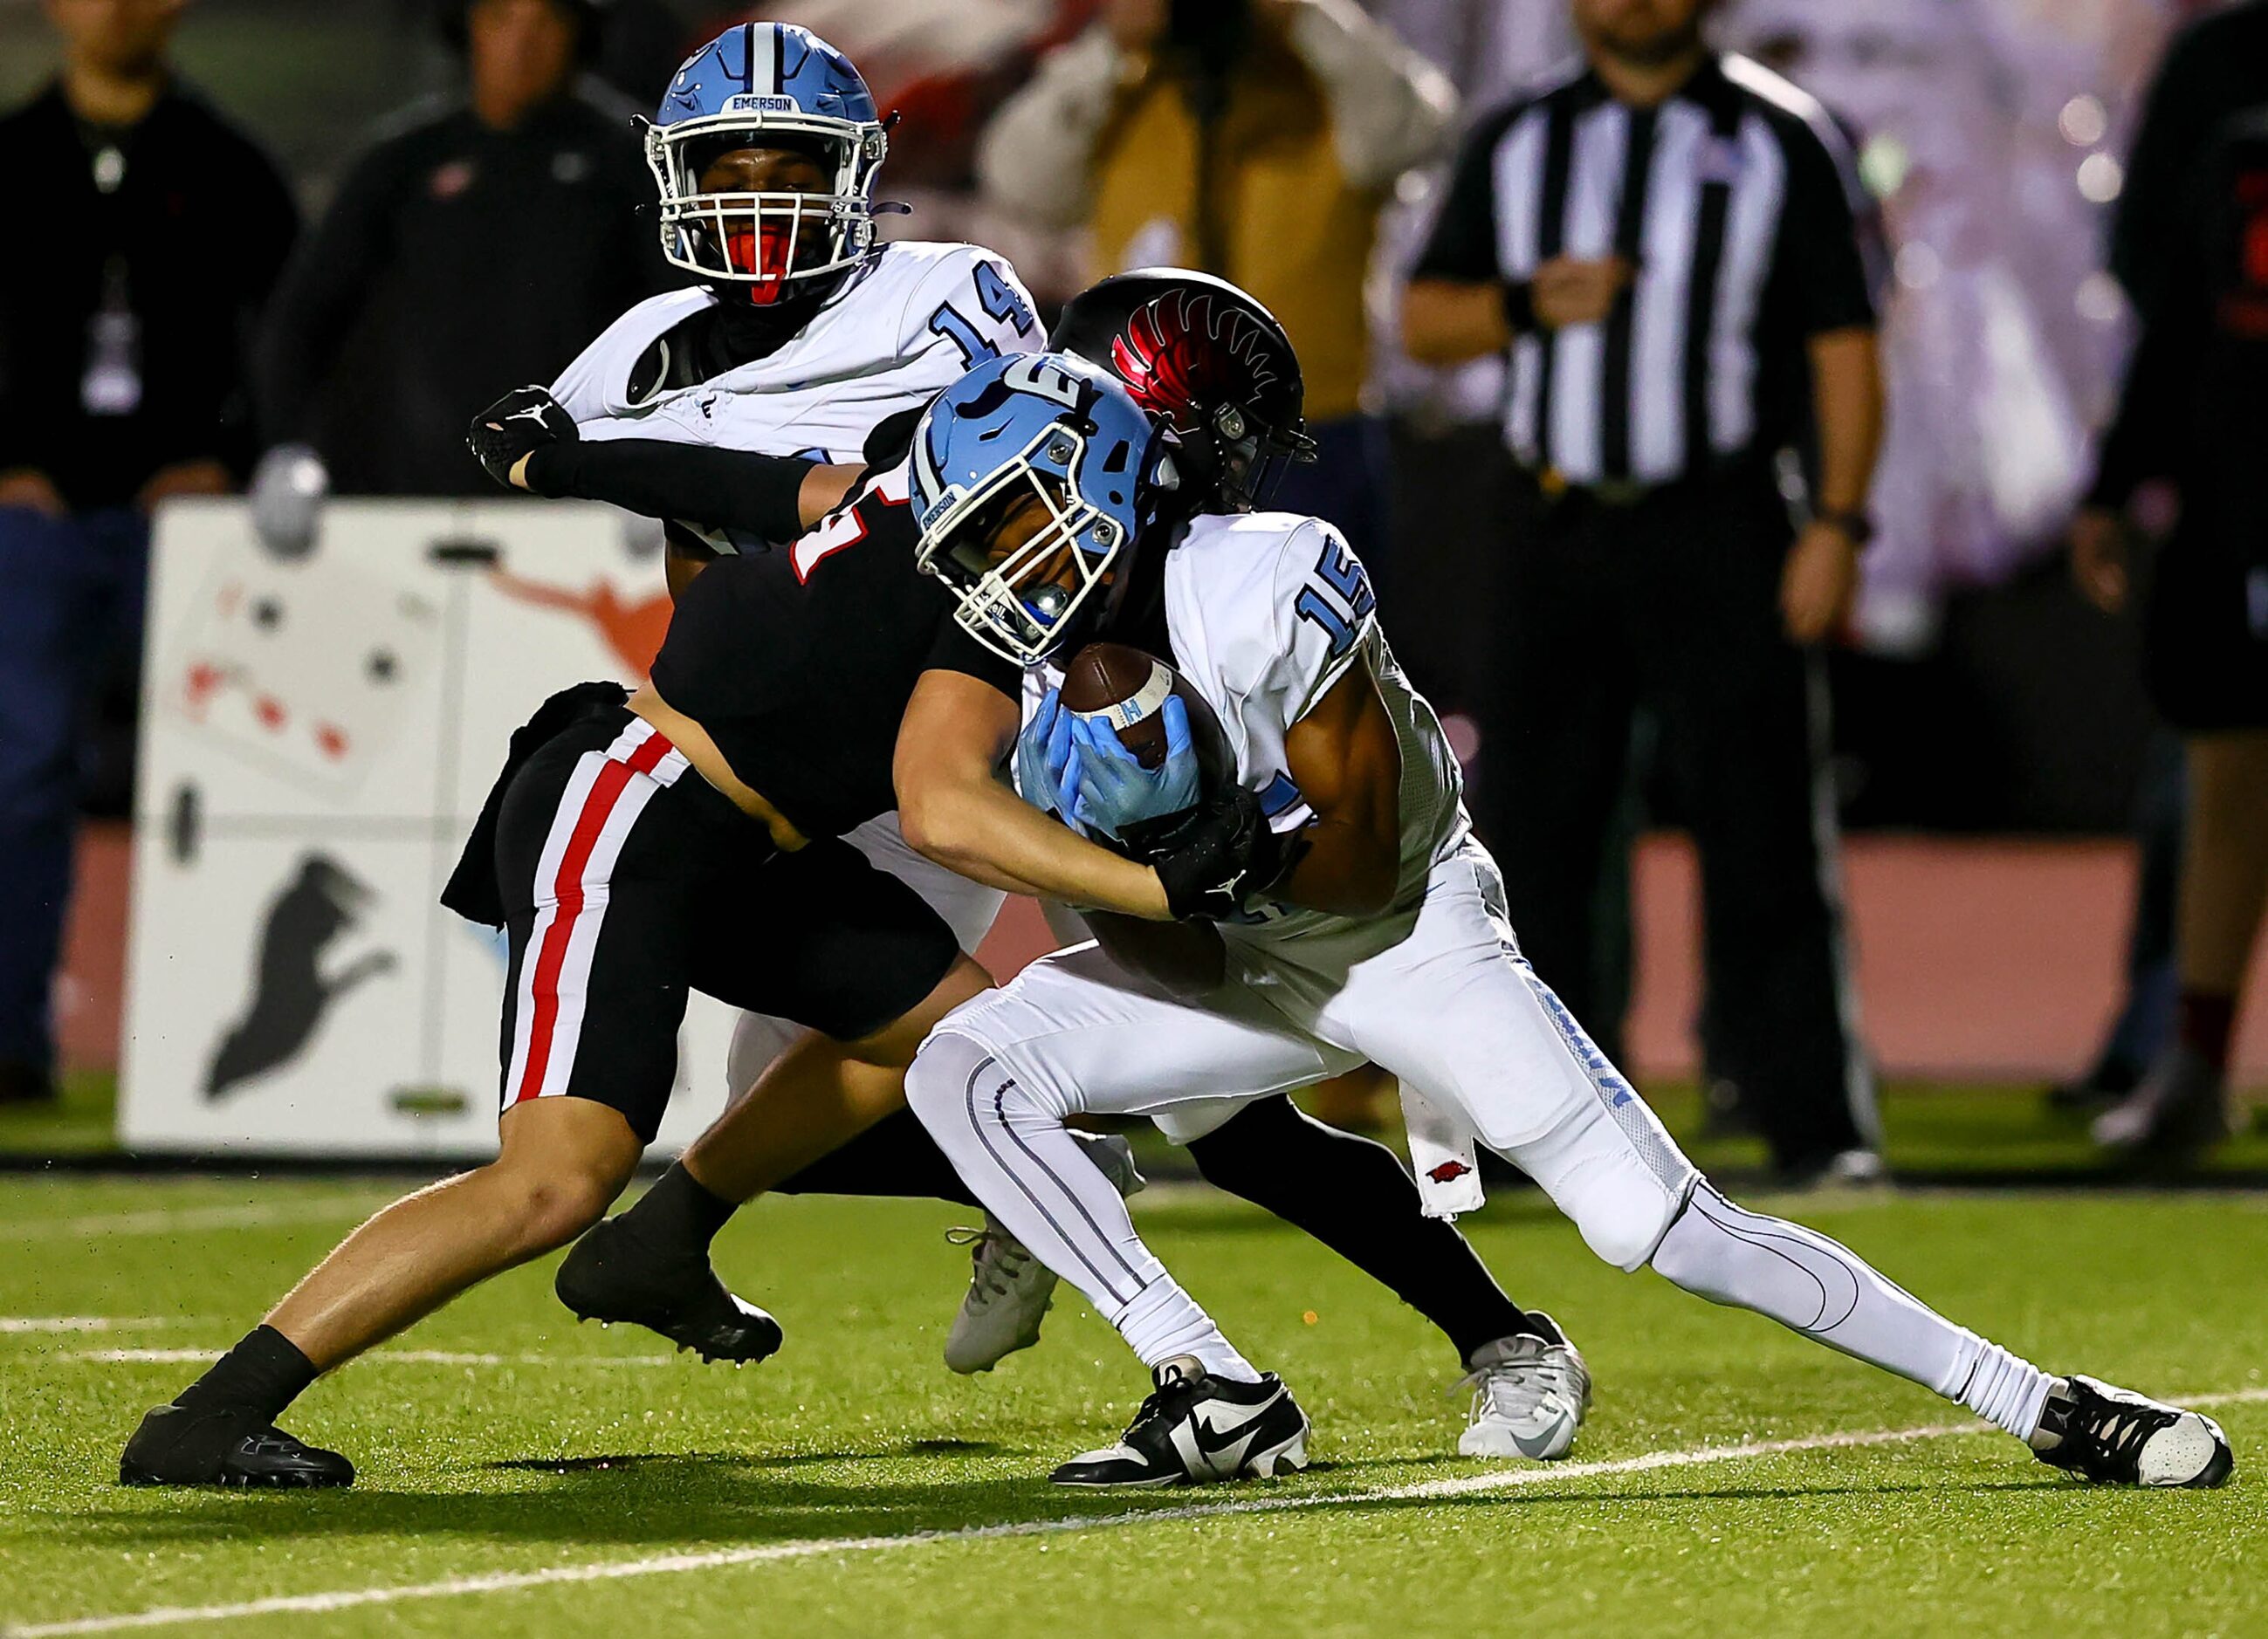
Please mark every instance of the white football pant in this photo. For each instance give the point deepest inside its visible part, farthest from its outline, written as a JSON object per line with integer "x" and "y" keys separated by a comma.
{"x": 1441, "y": 998}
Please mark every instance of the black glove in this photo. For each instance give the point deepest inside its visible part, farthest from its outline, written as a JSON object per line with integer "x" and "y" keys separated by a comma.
{"x": 1221, "y": 854}
{"x": 522, "y": 420}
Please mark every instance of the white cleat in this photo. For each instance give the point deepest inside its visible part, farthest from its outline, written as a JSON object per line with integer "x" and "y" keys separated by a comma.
{"x": 1530, "y": 1397}
{"x": 1009, "y": 1289}
{"x": 1009, "y": 1295}
{"x": 1196, "y": 1429}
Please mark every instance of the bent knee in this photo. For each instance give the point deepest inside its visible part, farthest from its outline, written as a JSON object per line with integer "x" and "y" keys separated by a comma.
{"x": 758, "y": 1039}
{"x": 1696, "y": 1263}
{"x": 939, "y": 1079}
{"x": 1190, "y": 1123}
{"x": 960, "y": 1078}
{"x": 550, "y": 1208}
{"x": 1622, "y": 1210}
{"x": 1621, "y": 1198}
{"x": 1624, "y": 1241}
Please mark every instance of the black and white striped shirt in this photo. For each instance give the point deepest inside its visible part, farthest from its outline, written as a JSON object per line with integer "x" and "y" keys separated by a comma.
{"x": 1734, "y": 199}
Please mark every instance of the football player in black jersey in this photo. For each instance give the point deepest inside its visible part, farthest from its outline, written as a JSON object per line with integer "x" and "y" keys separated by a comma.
{"x": 686, "y": 836}
{"x": 621, "y": 882}
{"x": 1211, "y": 363}
{"x": 596, "y": 851}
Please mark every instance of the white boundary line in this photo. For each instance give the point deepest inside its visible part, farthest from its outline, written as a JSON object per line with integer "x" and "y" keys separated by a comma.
{"x": 168, "y": 1221}
{"x": 383, "y": 1356}
{"x": 13, "y": 1324}
{"x": 355, "y": 1202}
{"x": 673, "y": 1564}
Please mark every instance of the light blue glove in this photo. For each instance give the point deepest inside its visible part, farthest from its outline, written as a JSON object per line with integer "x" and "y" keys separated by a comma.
{"x": 1111, "y": 790}
{"x": 1044, "y": 756}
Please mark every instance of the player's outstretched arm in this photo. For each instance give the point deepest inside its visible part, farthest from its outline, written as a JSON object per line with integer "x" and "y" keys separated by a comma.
{"x": 777, "y": 496}
{"x": 1347, "y": 763}
{"x": 954, "y": 809}
{"x": 526, "y": 440}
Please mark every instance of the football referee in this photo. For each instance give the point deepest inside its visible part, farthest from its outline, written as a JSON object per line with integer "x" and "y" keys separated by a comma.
{"x": 1664, "y": 247}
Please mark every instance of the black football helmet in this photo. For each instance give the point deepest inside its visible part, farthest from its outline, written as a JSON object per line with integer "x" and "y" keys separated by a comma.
{"x": 1207, "y": 361}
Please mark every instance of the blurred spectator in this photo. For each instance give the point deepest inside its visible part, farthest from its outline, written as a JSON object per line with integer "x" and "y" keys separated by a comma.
{"x": 2144, "y": 1024}
{"x": 1665, "y": 245}
{"x": 1978, "y": 117}
{"x": 2213, "y": 71}
{"x": 2192, "y": 246}
{"x": 639, "y": 45}
{"x": 1255, "y": 139}
{"x": 477, "y": 247}
{"x": 148, "y": 233}
{"x": 2178, "y": 124}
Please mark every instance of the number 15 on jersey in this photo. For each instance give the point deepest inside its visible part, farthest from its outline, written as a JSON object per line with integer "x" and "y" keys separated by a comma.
{"x": 1337, "y": 596}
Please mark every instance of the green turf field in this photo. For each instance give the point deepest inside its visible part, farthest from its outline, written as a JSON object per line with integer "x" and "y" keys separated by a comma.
{"x": 1932, "y": 1131}
{"x": 556, "y": 1479}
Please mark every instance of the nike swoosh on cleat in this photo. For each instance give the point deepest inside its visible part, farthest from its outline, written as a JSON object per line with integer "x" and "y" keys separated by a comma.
{"x": 1216, "y": 1441}
{"x": 1539, "y": 1448}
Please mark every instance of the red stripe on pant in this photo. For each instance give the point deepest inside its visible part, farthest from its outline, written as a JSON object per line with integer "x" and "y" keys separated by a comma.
{"x": 606, "y": 791}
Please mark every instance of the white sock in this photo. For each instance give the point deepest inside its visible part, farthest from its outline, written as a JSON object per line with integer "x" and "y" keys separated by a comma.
{"x": 2008, "y": 1389}
{"x": 1821, "y": 1289}
{"x": 1165, "y": 1322}
{"x": 1009, "y": 1143}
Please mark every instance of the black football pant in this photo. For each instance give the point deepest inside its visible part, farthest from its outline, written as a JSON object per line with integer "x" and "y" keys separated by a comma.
{"x": 1672, "y": 601}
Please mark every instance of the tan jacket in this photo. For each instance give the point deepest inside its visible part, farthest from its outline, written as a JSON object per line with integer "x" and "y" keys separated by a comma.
{"x": 1318, "y": 125}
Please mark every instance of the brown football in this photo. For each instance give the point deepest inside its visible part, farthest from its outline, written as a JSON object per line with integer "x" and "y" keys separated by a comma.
{"x": 1128, "y": 689}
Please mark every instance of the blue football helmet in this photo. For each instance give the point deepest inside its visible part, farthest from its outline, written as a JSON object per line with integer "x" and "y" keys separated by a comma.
{"x": 1044, "y": 425}
{"x": 767, "y": 85}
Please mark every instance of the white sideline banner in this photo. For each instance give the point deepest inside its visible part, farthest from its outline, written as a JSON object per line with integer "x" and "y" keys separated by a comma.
{"x": 318, "y": 737}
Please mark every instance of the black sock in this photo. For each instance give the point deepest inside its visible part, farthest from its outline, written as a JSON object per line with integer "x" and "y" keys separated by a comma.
{"x": 1352, "y": 1195}
{"x": 894, "y": 1156}
{"x": 261, "y": 1375}
{"x": 680, "y": 1213}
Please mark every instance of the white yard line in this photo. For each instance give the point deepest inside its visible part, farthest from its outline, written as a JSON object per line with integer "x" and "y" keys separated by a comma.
{"x": 671, "y": 1564}
{"x": 14, "y": 1323}
{"x": 354, "y": 1205}
{"x": 384, "y": 1357}
{"x": 170, "y": 1221}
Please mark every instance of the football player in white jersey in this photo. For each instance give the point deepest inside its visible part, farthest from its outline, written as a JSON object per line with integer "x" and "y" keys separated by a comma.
{"x": 1530, "y": 1385}
{"x": 804, "y": 335}
{"x": 1358, "y": 919}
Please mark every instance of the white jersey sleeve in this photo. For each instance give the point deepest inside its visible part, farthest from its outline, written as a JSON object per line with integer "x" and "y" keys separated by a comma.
{"x": 1324, "y": 614}
{"x": 596, "y": 385}
{"x": 969, "y": 306}
{"x": 1267, "y": 611}
{"x": 901, "y": 331}
{"x": 904, "y": 328}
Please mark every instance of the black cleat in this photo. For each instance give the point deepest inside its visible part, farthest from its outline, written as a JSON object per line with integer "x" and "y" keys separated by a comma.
{"x": 2115, "y": 1436}
{"x": 178, "y": 1445}
{"x": 2108, "y": 1081}
{"x": 2177, "y": 1113}
{"x": 1192, "y": 1429}
{"x": 613, "y": 1275}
